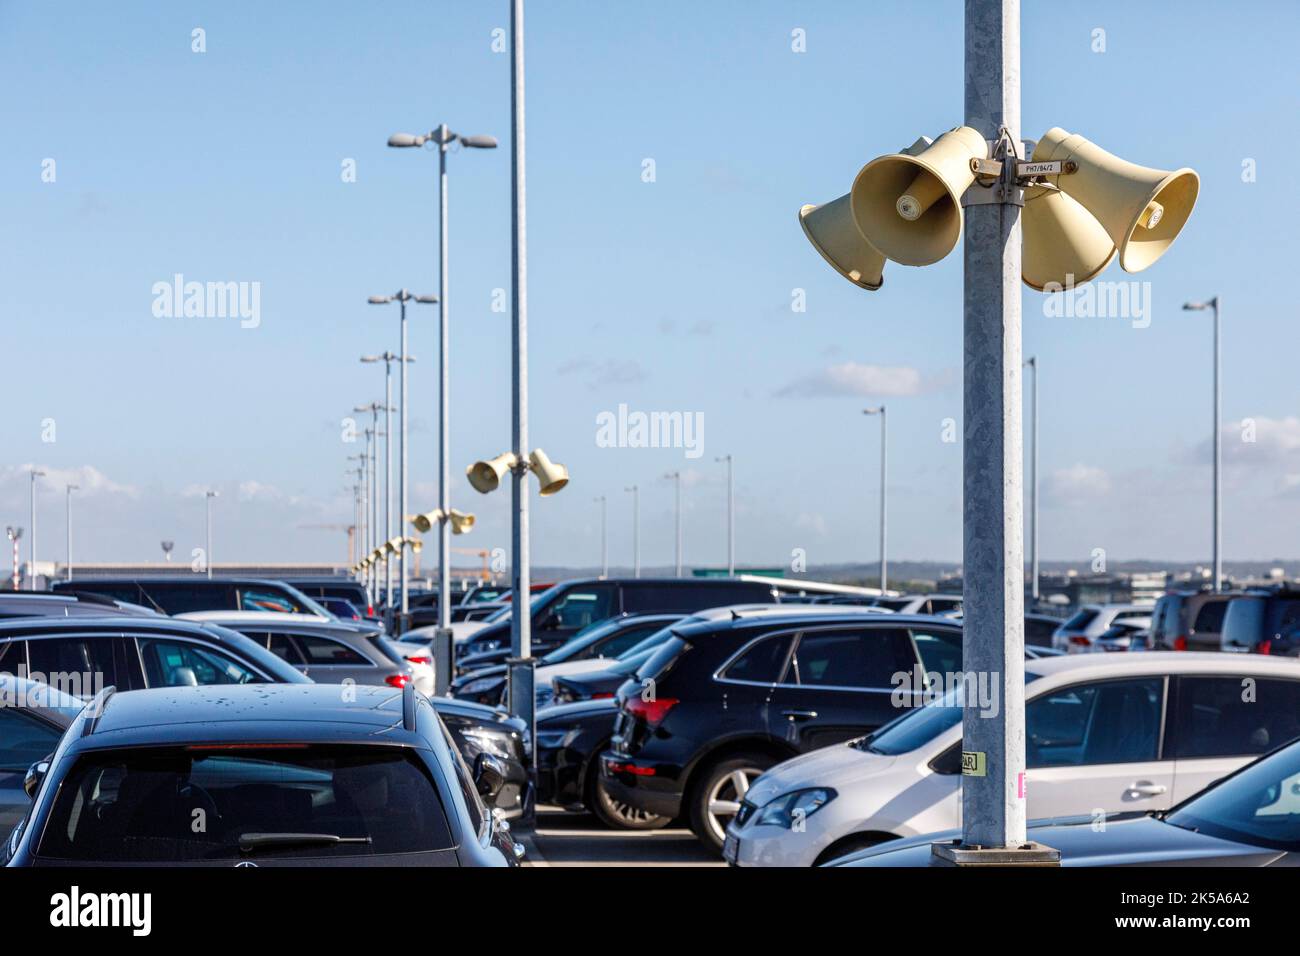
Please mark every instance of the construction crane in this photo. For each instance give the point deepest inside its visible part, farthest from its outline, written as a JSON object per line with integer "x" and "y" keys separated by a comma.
{"x": 485, "y": 575}
{"x": 351, "y": 529}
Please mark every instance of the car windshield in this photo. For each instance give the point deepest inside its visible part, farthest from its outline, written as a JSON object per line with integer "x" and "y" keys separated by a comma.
{"x": 1080, "y": 620}
{"x": 918, "y": 727}
{"x": 1259, "y": 805}
{"x": 145, "y": 805}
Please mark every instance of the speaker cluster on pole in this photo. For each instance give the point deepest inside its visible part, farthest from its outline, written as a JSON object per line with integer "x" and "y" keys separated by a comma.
{"x": 1087, "y": 208}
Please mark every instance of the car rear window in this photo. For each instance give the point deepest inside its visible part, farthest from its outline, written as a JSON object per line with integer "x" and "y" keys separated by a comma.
{"x": 153, "y": 805}
{"x": 1081, "y": 619}
{"x": 659, "y": 663}
{"x": 1209, "y": 618}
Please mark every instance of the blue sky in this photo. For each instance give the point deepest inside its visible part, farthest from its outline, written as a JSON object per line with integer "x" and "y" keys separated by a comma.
{"x": 671, "y": 295}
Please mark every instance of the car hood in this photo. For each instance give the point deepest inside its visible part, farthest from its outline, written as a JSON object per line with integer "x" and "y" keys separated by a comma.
{"x": 840, "y": 766}
{"x": 563, "y": 713}
{"x": 469, "y": 710}
{"x": 460, "y": 630}
{"x": 1123, "y": 841}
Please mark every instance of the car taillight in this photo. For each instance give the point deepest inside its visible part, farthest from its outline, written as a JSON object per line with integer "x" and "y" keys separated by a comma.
{"x": 606, "y": 695}
{"x": 397, "y": 680}
{"x": 1180, "y": 642}
{"x": 370, "y": 610}
{"x": 1265, "y": 647}
{"x": 1080, "y": 640}
{"x": 420, "y": 660}
{"x": 652, "y": 712}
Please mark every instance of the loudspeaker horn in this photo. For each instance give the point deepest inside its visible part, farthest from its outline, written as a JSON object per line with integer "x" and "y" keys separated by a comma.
{"x": 832, "y": 232}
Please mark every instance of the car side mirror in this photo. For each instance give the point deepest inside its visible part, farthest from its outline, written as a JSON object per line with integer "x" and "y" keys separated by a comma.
{"x": 489, "y": 776}
{"x": 35, "y": 774}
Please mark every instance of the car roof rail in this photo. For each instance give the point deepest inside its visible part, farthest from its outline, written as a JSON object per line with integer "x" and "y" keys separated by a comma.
{"x": 96, "y": 708}
{"x": 408, "y": 707}
{"x": 89, "y": 597}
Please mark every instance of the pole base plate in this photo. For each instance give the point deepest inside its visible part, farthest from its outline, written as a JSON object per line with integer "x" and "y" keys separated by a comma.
{"x": 955, "y": 853}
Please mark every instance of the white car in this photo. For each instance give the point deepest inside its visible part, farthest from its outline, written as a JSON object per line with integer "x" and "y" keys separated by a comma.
{"x": 945, "y": 605}
{"x": 1079, "y": 633}
{"x": 1103, "y": 734}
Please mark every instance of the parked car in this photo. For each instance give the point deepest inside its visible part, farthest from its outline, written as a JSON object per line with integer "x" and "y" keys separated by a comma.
{"x": 1077, "y": 634}
{"x": 1105, "y": 733}
{"x": 33, "y": 716}
{"x": 326, "y": 651}
{"x": 1249, "y": 818}
{"x": 718, "y": 703}
{"x": 341, "y": 609}
{"x": 278, "y": 775}
{"x": 64, "y": 604}
{"x": 1039, "y": 629}
{"x": 941, "y": 604}
{"x": 564, "y": 610}
{"x": 1126, "y": 635}
{"x": 346, "y": 589}
{"x": 1266, "y": 622}
{"x": 1186, "y": 620}
{"x": 81, "y": 655}
{"x": 177, "y": 594}
{"x": 484, "y": 675}
{"x": 478, "y": 729}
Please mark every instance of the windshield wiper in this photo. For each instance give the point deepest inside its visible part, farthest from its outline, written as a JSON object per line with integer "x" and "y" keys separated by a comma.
{"x": 253, "y": 841}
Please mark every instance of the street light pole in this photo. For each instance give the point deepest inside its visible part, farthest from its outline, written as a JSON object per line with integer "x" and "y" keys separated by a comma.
{"x": 521, "y": 637}
{"x": 1216, "y": 527}
{"x": 884, "y": 493}
{"x": 604, "y": 537}
{"x": 731, "y": 514}
{"x": 636, "y": 530}
{"x": 676, "y": 476}
{"x": 1032, "y": 364}
{"x": 993, "y": 805}
{"x": 387, "y": 358}
{"x": 71, "y": 489}
{"x": 31, "y": 552}
{"x": 207, "y": 544}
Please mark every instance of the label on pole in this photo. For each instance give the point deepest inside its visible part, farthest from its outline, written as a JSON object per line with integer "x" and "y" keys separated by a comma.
{"x": 972, "y": 763}
{"x": 1053, "y": 168}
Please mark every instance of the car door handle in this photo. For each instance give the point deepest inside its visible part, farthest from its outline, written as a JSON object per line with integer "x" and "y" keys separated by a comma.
{"x": 1145, "y": 788}
{"x": 799, "y": 714}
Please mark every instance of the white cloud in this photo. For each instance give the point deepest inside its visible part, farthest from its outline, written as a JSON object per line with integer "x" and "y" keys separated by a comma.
{"x": 1077, "y": 483}
{"x": 90, "y": 481}
{"x": 853, "y": 378}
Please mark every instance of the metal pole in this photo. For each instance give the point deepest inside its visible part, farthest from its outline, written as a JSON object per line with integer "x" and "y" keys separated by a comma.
{"x": 993, "y": 805}
{"x": 388, "y": 482}
{"x": 1218, "y": 459}
{"x": 636, "y": 531}
{"x": 31, "y": 547}
{"x": 520, "y": 619}
{"x": 679, "y": 523}
{"x": 444, "y": 457}
{"x": 731, "y": 516}
{"x": 1032, "y": 363}
{"x": 884, "y": 499}
{"x": 207, "y": 542}
{"x": 71, "y": 489}
{"x": 604, "y": 537}
{"x": 401, "y": 479}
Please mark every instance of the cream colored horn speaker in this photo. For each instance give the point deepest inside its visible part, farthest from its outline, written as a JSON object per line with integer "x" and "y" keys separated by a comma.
{"x": 423, "y": 523}
{"x": 1063, "y": 243}
{"x": 832, "y": 232}
{"x": 909, "y": 206}
{"x": 392, "y": 545}
{"x": 1141, "y": 209}
{"x": 550, "y": 476}
{"x": 415, "y": 544}
{"x": 461, "y": 522}
{"x": 485, "y": 476}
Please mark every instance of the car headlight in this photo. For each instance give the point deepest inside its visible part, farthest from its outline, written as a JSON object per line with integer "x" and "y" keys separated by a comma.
{"x": 481, "y": 685}
{"x": 482, "y": 647}
{"x": 794, "y": 807}
{"x": 481, "y": 740}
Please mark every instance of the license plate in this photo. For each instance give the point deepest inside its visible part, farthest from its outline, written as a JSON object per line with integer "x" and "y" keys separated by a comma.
{"x": 730, "y": 848}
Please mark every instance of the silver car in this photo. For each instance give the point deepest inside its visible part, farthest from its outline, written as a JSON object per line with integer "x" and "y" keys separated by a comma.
{"x": 326, "y": 651}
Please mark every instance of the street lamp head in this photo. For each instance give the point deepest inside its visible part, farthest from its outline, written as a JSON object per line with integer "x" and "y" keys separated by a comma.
{"x": 1032, "y": 361}
{"x": 213, "y": 494}
{"x": 426, "y": 299}
{"x": 400, "y": 140}
{"x": 72, "y": 488}
{"x": 874, "y": 410}
{"x": 1195, "y": 306}
{"x": 380, "y": 299}
{"x": 479, "y": 142}
{"x": 372, "y": 358}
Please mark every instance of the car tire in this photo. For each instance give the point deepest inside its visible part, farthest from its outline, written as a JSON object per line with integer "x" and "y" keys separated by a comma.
{"x": 618, "y": 815}
{"x": 717, "y": 791}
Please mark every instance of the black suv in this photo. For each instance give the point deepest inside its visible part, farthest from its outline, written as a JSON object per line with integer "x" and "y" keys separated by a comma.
{"x": 719, "y": 703}
{"x": 564, "y": 610}
{"x": 181, "y": 593}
